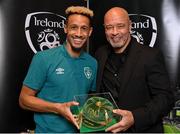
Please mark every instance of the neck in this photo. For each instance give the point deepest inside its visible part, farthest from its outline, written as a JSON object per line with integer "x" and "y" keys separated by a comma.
{"x": 72, "y": 52}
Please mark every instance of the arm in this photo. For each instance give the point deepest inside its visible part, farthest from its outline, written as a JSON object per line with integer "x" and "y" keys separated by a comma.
{"x": 159, "y": 103}
{"x": 29, "y": 101}
{"x": 162, "y": 99}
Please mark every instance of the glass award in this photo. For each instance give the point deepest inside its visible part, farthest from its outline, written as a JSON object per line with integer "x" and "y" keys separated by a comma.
{"x": 94, "y": 112}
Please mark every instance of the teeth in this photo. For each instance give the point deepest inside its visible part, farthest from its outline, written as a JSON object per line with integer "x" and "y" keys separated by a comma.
{"x": 77, "y": 39}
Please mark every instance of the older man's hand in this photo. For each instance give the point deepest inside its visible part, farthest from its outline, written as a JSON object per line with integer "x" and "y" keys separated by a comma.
{"x": 126, "y": 122}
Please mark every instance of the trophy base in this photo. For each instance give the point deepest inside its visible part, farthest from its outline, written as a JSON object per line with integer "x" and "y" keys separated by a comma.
{"x": 95, "y": 112}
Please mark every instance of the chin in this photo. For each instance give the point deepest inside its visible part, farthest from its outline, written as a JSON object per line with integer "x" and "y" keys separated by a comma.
{"x": 77, "y": 49}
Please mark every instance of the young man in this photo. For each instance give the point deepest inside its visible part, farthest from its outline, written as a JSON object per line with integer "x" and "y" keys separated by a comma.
{"x": 135, "y": 75}
{"x": 57, "y": 74}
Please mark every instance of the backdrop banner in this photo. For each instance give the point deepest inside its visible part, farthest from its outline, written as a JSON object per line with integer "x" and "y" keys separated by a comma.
{"x": 29, "y": 26}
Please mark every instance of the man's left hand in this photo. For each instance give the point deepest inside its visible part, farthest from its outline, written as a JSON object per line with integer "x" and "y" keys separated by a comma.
{"x": 126, "y": 122}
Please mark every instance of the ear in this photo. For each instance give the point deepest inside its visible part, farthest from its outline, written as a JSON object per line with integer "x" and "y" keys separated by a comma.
{"x": 65, "y": 28}
{"x": 130, "y": 25}
{"x": 90, "y": 31}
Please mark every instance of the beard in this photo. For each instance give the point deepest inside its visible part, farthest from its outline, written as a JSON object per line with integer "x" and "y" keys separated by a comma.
{"x": 118, "y": 42}
{"x": 76, "y": 49}
{"x": 116, "y": 45}
{"x": 79, "y": 49}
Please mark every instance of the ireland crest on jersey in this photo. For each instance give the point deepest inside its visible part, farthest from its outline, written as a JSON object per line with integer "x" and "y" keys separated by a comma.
{"x": 88, "y": 72}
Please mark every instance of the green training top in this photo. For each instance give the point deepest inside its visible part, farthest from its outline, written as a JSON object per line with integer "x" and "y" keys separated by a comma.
{"x": 57, "y": 77}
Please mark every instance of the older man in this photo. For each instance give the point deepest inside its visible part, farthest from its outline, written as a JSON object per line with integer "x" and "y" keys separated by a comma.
{"x": 135, "y": 75}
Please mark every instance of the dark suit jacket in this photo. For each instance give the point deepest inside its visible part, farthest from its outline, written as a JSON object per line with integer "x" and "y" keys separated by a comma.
{"x": 145, "y": 89}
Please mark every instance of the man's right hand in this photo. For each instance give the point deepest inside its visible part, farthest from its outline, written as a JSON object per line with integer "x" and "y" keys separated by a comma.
{"x": 29, "y": 101}
{"x": 64, "y": 110}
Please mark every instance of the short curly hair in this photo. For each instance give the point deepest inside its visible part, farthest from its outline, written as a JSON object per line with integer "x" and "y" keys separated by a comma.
{"x": 80, "y": 10}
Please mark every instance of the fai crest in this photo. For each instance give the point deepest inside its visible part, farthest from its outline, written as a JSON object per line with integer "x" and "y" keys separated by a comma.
{"x": 144, "y": 29}
{"x": 44, "y": 30}
{"x": 88, "y": 72}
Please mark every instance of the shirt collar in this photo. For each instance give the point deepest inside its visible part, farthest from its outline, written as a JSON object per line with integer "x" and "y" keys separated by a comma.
{"x": 81, "y": 56}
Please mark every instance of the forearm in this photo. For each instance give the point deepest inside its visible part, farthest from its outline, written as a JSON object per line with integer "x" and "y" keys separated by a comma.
{"x": 38, "y": 105}
{"x": 29, "y": 101}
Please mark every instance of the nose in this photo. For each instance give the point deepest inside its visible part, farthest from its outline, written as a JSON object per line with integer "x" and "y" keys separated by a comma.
{"x": 115, "y": 30}
{"x": 79, "y": 32}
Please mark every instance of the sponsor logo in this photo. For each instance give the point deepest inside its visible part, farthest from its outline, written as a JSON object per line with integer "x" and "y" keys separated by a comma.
{"x": 44, "y": 30}
{"x": 144, "y": 29}
{"x": 60, "y": 70}
{"x": 88, "y": 72}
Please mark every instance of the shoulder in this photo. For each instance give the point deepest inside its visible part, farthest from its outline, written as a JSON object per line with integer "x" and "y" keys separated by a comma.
{"x": 150, "y": 51}
{"x": 48, "y": 56}
{"x": 49, "y": 52}
{"x": 90, "y": 58}
{"x": 145, "y": 52}
{"x": 144, "y": 49}
{"x": 150, "y": 54}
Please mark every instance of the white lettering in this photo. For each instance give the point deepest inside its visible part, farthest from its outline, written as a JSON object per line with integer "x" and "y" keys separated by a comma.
{"x": 48, "y": 23}
{"x": 141, "y": 24}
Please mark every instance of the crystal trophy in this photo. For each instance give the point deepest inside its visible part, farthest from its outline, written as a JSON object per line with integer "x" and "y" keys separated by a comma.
{"x": 95, "y": 112}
